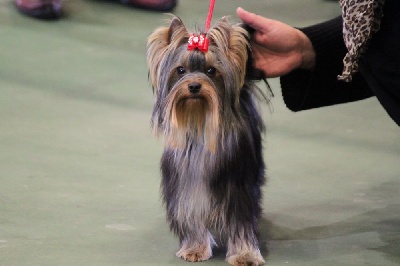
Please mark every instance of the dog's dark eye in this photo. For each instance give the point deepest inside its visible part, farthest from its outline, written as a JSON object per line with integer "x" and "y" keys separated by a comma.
{"x": 180, "y": 70}
{"x": 211, "y": 71}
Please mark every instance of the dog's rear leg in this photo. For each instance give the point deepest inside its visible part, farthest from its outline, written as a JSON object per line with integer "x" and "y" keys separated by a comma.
{"x": 196, "y": 246}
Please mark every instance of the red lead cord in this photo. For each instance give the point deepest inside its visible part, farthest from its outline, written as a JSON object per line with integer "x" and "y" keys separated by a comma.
{"x": 210, "y": 13}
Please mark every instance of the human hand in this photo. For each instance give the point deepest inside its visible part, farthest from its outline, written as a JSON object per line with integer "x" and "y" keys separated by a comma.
{"x": 277, "y": 48}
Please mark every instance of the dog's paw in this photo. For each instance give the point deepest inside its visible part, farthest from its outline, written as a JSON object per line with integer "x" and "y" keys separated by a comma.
{"x": 246, "y": 259}
{"x": 197, "y": 253}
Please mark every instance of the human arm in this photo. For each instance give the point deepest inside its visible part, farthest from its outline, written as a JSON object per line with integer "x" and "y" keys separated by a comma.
{"x": 319, "y": 87}
{"x": 308, "y": 61}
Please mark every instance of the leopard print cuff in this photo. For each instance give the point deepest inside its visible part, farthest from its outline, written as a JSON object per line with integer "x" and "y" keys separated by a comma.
{"x": 361, "y": 19}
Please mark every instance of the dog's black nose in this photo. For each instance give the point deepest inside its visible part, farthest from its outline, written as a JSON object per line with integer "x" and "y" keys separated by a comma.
{"x": 194, "y": 87}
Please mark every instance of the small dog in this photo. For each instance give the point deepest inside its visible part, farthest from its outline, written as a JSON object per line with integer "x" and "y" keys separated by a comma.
{"x": 212, "y": 166}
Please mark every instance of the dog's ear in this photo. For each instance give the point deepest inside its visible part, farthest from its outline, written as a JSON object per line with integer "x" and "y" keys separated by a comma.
{"x": 252, "y": 73}
{"x": 233, "y": 41}
{"x": 239, "y": 48}
{"x": 158, "y": 43}
{"x": 219, "y": 34}
{"x": 177, "y": 30}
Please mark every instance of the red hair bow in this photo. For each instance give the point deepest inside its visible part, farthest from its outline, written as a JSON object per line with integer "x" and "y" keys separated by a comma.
{"x": 200, "y": 42}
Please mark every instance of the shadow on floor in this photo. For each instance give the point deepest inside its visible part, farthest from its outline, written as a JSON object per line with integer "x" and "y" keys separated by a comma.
{"x": 383, "y": 221}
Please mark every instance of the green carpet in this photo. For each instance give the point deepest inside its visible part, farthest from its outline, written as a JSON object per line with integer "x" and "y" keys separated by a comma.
{"x": 79, "y": 166}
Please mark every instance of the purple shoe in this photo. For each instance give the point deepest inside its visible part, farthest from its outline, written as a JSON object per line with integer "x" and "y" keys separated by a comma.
{"x": 43, "y": 9}
{"x": 154, "y": 5}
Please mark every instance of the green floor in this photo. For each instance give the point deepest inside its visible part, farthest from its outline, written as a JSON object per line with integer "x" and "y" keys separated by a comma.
{"x": 79, "y": 178}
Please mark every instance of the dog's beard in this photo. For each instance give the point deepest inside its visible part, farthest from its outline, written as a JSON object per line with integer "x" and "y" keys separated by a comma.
{"x": 192, "y": 118}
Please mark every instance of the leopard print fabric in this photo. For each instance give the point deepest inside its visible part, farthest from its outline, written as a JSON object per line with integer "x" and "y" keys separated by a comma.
{"x": 361, "y": 19}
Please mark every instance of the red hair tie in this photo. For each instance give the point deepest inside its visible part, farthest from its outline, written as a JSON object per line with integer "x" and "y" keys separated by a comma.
{"x": 200, "y": 42}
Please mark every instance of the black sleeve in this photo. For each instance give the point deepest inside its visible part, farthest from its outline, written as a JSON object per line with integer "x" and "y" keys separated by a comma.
{"x": 304, "y": 90}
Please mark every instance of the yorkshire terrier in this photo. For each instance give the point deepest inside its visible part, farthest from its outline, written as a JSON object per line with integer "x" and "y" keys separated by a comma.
{"x": 212, "y": 166}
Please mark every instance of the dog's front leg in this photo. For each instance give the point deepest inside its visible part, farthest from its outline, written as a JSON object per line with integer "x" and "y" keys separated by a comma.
{"x": 195, "y": 244}
{"x": 243, "y": 247}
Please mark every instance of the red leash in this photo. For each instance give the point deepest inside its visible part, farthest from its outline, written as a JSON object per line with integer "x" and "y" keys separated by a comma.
{"x": 201, "y": 42}
{"x": 210, "y": 13}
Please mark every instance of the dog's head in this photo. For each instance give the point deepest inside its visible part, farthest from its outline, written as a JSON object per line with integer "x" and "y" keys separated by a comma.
{"x": 197, "y": 92}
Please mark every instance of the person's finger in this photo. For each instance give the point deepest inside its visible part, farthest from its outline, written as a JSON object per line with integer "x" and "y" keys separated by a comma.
{"x": 256, "y": 22}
